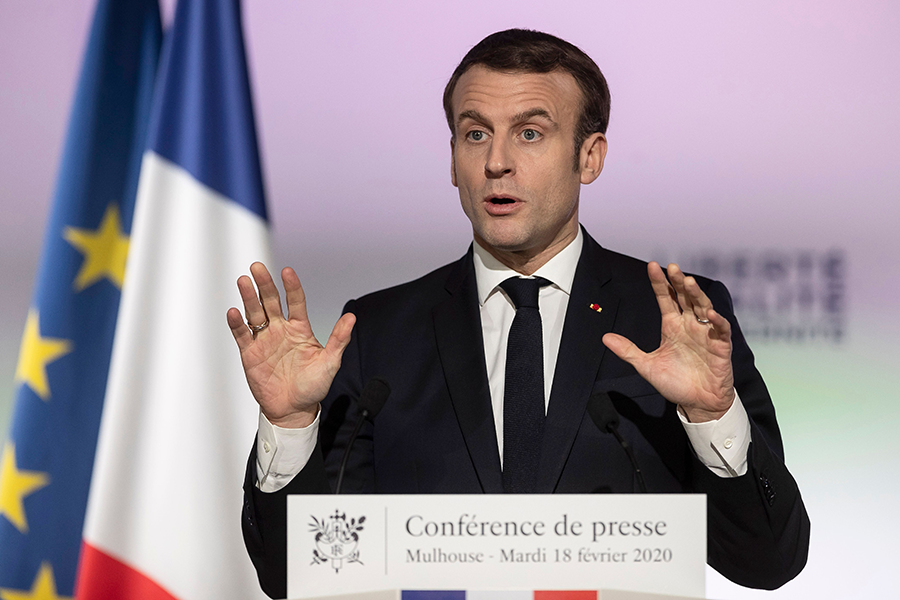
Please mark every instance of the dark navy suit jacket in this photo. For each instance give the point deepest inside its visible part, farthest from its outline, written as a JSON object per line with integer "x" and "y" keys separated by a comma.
{"x": 436, "y": 433}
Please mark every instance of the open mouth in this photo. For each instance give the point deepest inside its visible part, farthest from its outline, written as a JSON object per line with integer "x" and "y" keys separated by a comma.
{"x": 501, "y": 206}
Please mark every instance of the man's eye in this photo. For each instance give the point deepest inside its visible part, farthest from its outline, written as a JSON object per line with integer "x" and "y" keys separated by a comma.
{"x": 476, "y": 136}
{"x": 529, "y": 135}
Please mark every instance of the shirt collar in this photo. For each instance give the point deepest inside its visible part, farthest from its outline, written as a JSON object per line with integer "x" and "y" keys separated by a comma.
{"x": 559, "y": 270}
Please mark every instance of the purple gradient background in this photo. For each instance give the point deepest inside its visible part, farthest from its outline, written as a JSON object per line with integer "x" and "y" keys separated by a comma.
{"x": 769, "y": 124}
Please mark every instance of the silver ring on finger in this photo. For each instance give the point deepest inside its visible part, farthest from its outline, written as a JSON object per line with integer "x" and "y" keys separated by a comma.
{"x": 704, "y": 321}
{"x": 257, "y": 328}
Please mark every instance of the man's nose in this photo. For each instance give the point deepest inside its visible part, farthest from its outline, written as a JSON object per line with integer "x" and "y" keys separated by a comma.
{"x": 499, "y": 160}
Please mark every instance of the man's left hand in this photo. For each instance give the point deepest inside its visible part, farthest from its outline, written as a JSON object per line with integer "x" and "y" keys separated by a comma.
{"x": 692, "y": 366}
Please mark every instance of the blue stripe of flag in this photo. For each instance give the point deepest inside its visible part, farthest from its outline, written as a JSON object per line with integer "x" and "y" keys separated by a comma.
{"x": 432, "y": 595}
{"x": 203, "y": 116}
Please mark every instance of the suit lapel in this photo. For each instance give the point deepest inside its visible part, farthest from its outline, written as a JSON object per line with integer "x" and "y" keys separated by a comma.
{"x": 578, "y": 362}
{"x": 457, "y": 326}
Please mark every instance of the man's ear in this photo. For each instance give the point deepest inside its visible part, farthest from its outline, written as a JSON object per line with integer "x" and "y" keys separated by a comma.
{"x": 453, "y": 160}
{"x": 591, "y": 157}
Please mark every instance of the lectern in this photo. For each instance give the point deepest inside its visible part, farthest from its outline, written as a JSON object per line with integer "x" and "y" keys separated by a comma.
{"x": 497, "y": 547}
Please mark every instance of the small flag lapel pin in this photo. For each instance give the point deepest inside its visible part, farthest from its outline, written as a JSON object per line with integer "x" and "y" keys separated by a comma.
{"x": 596, "y": 307}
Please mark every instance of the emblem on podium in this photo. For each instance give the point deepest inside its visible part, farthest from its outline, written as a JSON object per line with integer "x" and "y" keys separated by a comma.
{"x": 337, "y": 540}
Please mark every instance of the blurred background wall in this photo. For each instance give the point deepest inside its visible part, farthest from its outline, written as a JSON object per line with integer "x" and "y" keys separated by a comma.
{"x": 752, "y": 142}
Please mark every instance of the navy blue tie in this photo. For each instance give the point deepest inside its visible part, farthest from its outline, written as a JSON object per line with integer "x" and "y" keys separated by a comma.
{"x": 523, "y": 393}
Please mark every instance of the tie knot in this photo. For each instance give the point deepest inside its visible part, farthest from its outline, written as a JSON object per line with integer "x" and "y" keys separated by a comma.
{"x": 524, "y": 292}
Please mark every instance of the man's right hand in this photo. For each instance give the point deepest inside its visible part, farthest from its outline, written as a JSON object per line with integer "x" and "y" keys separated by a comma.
{"x": 288, "y": 370}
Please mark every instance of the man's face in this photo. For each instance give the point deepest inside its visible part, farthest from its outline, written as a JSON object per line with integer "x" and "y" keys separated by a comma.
{"x": 512, "y": 158}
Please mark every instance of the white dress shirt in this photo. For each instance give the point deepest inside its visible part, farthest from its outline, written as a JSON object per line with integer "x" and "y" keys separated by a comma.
{"x": 498, "y": 312}
{"x": 720, "y": 445}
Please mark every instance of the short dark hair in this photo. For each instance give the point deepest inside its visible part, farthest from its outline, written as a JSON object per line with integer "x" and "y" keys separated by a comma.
{"x": 527, "y": 51}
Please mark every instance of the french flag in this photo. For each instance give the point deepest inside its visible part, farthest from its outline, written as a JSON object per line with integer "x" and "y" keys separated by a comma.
{"x": 178, "y": 419}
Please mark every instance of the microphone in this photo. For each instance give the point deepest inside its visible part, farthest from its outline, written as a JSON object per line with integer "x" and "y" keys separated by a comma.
{"x": 606, "y": 418}
{"x": 371, "y": 401}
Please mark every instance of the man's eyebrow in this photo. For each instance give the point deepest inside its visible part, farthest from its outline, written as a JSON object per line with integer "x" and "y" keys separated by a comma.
{"x": 517, "y": 118}
{"x": 531, "y": 113}
{"x": 470, "y": 114}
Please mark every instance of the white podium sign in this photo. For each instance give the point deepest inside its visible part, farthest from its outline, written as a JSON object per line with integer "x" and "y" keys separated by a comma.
{"x": 351, "y": 543}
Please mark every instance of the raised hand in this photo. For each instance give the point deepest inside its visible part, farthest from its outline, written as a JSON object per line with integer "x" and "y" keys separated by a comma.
{"x": 692, "y": 366}
{"x": 288, "y": 370}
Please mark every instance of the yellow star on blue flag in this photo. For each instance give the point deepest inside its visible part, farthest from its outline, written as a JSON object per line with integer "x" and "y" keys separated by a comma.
{"x": 105, "y": 250}
{"x": 35, "y": 354}
{"x": 15, "y": 485}
{"x": 43, "y": 588}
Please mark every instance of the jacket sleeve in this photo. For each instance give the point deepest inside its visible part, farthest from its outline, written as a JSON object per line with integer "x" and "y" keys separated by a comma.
{"x": 758, "y": 528}
{"x": 264, "y": 515}
{"x": 264, "y": 520}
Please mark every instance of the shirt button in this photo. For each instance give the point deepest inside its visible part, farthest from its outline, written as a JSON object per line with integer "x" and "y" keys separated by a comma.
{"x": 728, "y": 444}
{"x": 267, "y": 447}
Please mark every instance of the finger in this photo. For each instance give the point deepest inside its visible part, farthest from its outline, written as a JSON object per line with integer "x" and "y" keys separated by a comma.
{"x": 676, "y": 277}
{"x": 253, "y": 310}
{"x": 662, "y": 289}
{"x": 268, "y": 292}
{"x": 626, "y": 350}
{"x": 239, "y": 330}
{"x": 296, "y": 297}
{"x": 720, "y": 326}
{"x": 340, "y": 337}
{"x": 700, "y": 302}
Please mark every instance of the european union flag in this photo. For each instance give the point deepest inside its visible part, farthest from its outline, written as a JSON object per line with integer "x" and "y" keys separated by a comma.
{"x": 46, "y": 463}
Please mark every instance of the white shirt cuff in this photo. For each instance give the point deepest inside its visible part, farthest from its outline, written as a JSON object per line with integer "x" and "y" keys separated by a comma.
{"x": 282, "y": 453}
{"x": 722, "y": 444}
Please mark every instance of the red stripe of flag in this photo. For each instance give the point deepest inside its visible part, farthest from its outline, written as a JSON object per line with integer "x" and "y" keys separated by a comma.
{"x": 102, "y": 577}
{"x": 564, "y": 595}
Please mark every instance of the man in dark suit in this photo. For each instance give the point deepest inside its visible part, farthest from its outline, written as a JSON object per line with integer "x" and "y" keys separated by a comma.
{"x": 528, "y": 115}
